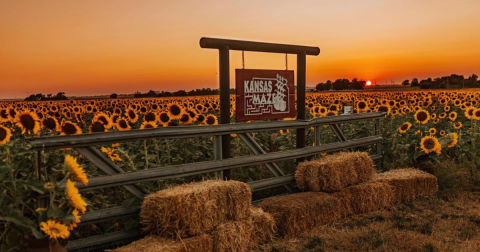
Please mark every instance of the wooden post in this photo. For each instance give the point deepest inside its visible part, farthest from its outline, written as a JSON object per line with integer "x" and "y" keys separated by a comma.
{"x": 301, "y": 89}
{"x": 224, "y": 61}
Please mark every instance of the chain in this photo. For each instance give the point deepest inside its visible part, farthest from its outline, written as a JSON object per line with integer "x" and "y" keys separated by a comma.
{"x": 243, "y": 59}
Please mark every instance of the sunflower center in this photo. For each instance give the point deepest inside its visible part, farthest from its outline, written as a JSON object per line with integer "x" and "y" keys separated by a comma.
{"x": 429, "y": 144}
{"x": 164, "y": 118}
{"x": 123, "y": 124}
{"x": 210, "y": 120}
{"x": 3, "y": 134}
{"x": 27, "y": 121}
{"x": 185, "y": 118}
{"x": 362, "y": 105}
{"x": 200, "y": 118}
{"x": 131, "y": 114}
{"x": 98, "y": 127}
{"x": 422, "y": 116}
{"x": 404, "y": 127}
{"x": 150, "y": 117}
{"x": 50, "y": 123}
{"x": 4, "y": 114}
{"x": 69, "y": 129}
{"x": 383, "y": 109}
{"x": 175, "y": 110}
{"x": 103, "y": 119}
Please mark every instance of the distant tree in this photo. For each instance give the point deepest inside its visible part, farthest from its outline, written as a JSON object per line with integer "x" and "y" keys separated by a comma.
{"x": 320, "y": 86}
{"x": 113, "y": 96}
{"x": 406, "y": 83}
{"x": 414, "y": 83}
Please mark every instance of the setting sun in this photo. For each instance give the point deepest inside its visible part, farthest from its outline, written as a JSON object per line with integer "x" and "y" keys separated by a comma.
{"x": 369, "y": 83}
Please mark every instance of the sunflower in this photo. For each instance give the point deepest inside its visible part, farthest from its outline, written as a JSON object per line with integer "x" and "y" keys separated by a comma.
{"x": 5, "y": 135}
{"x": 452, "y": 116}
{"x": 442, "y": 133}
{"x": 211, "y": 120}
{"x": 4, "y": 116}
{"x": 28, "y": 122}
{"x": 175, "y": 111}
{"x": 97, "y": 126}
{"x": 76, "y": 217}
{"x": 148, "y": 125}
{"x": 469, "y": 112}
{"x": 111, "y": 154}
{"x": 476, "y": 114}
{"x": 186, "y": 119}
{"x": 458, "y": 125}
{"x": 51, "y": 123}
{"x": 384, "y": 108}
{"x": 453, "y": 139}
{"x": 103, "y": 118}
{"x": 123, "y": 125}
{"x": 75, "y": 198}
{"x": 164, "y": 119}
{"x": 69, "y": 128}
{"x": 76, "y": 170}
{"x": 432, "y": 131}
{"x": 55, "y": 229}
{"x": 405, "y": 127}
{"x": 442, "y": 115}
{"x": 430, "y": 144}
{"x": 422, "y": 116}
{"x": 131, "y": 115}
{"x": 200, "y": 119}
{"x": 150, "y": 117}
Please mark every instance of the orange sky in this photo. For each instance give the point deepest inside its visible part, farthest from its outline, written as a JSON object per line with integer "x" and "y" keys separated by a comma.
{"x": 100, "y": 47}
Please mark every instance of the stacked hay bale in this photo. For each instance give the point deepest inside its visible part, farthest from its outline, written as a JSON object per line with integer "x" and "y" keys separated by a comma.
{"x": 204, "y": 216}
{"x": 334, "y": 172}
{"x": 299, "y": 212}
{"x": 409, "y": 184}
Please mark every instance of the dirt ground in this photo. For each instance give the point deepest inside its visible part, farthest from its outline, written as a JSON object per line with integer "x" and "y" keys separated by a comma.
{"x": 449, "y": 221}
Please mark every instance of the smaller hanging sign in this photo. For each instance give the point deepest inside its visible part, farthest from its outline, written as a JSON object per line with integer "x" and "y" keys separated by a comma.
{"x": 264, "y": 94}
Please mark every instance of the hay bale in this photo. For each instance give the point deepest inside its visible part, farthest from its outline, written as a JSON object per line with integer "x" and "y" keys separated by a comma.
{"x": 195, "y": 208}
{"x": 154, "y": 243}
{"x": 334, "y": 172}
{"x": 297, "y": 213}
{"x": 366, "y": 197}
{"x": 409, "y": 184}
{"x": 240, "y": 236}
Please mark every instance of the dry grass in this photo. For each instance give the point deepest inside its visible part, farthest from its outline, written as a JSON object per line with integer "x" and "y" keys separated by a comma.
{"x": 195, "y": 208}
{"x": 366, "y": 197}
{"x": 334, "y": 172}
{"x": 296, "y": 213}
{"x": 443, "y": 223}
{"x": 201, "y": 243}
{"x": 240, "y": 236}
{"x": 409, "y": 184}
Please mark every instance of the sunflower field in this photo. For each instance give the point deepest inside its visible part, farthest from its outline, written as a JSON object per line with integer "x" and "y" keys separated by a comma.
{"x": 420, "y": 128}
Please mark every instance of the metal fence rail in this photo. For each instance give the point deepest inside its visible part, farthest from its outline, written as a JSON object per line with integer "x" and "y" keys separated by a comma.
{"x": 131, "y": 181}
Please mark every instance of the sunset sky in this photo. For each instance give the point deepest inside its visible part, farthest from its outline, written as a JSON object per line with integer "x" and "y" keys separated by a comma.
{"x": 104, "y": 46}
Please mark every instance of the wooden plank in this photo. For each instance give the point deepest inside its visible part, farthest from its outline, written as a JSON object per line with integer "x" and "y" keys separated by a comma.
{"x": 108, "y": 214}
{"x": 183, "y": 170}
{"x": 109, "y": 167}
{"x": 271, "y": 182}
{"x": 338, "y": 132}
{"x": 102, "y": 240}
{"x": 85, "y": 140}
{"x": 216, "y": 43}
{"x": 257, "y": 150}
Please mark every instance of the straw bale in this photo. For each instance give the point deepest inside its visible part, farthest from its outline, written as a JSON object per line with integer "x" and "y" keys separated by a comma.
{"x": 366, "y": 197}
{"x": 152, "y": 243}
{"x": 195, "y": 208}
{"x": 296, "y": 213}
{"x": 334, "y": 172}
{"x": 240, "y": 236}
{"x": 409, "y": 184}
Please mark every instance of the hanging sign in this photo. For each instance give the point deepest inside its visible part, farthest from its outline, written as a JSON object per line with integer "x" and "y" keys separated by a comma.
{"x": 264, "y": 94}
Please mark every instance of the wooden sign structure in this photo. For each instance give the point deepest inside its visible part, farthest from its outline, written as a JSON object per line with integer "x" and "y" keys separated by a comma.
{"x": 224, "y": 47}
{"x": 264, "y": 94}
